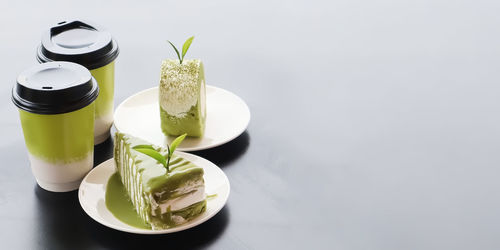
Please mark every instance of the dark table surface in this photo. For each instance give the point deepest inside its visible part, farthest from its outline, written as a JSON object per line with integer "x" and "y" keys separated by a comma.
{"x": 375, "y": 124}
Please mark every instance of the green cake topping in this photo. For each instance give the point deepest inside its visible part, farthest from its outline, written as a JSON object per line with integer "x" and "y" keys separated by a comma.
{"x": 180, "y": 86}
{"x": 154, "y": 174}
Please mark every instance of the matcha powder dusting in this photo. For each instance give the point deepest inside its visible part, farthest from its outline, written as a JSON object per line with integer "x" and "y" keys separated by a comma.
{"x": 179, "y": 86}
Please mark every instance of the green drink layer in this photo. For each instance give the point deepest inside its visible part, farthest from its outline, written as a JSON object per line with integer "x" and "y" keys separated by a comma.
{"x": 153, "y": 191}
{"x": 66, "y": 137}
{"x": 182, "y": 98}
{"x": 105, "y": 77}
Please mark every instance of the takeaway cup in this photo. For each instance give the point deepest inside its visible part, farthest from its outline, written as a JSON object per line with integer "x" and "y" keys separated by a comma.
{"x": 56, "y": 102}
{"x": 93, "y": 47}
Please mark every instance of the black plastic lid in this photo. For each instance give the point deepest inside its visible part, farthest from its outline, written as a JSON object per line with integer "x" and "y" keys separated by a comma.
{"x": 54, "y": 88}
{"x": 78, "y": 42}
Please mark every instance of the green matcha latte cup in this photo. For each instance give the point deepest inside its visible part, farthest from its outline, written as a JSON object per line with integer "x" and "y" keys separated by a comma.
{"x": 56, "y": 104}
{"x": 93, "y": 47}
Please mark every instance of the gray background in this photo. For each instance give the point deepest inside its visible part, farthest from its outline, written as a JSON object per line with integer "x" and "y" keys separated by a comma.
{"x": 375, "y": 124}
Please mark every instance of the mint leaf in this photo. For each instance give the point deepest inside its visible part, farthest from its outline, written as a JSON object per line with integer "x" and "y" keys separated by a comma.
{"x": 149, "y": 151}
{"x": 185, "y": 47}
{"x": 173, "y": 146}
{"x": 176, "y": 51}
{"x": 176, "y": 143}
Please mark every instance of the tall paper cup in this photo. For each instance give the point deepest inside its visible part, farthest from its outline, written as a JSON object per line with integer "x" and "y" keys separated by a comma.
{"x": 93, "y": 47}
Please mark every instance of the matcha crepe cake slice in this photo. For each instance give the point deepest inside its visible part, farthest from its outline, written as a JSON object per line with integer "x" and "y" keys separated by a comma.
{"x": 182, "y": 95}
{"x": 164, "y": 196}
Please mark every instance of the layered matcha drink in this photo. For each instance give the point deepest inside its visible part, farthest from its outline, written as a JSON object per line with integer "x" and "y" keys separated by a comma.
{"x": 182, "y": 95}
{"x": 56, "y": 107}
{"x": 93, "y": 47}
{"x": 165, "y": 189}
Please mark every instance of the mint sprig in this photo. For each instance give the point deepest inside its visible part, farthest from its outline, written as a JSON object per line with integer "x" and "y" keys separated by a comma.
{"x": 185, "y": 48}
{"x": 151, "y": 152}
{"x": 176, "y": 51}
{"x": 173, "y": 146}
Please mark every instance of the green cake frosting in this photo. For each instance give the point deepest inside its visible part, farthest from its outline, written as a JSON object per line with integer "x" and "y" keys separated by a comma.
{"x": 182, "y": 97}
{"x": 149, "y": 185}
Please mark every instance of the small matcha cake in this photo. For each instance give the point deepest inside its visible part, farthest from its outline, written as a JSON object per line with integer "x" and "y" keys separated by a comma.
{"x": 161, "y": 199}
{"x": 182, "y": 98}
{"x": 182, "y": 95}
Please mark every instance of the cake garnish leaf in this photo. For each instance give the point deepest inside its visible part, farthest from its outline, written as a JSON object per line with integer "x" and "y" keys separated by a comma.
{"x": 185, "y": 47}
{"x": 173, "y": 146}
{"x": 151, "y": 152}
{"x": 176, "y": 51}
{"x": 176, "y": 142}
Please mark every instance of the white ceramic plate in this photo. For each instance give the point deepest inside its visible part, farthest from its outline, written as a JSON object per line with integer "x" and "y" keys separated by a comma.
{"x": 92, "y": 195}
{"x": 227, "y": 117}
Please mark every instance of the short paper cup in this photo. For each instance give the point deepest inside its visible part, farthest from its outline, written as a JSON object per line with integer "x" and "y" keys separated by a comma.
{"x": 56, "y": 104}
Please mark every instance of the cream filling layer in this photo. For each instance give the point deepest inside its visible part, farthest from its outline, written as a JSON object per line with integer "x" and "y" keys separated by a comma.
{"x": 182, "y": 201}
